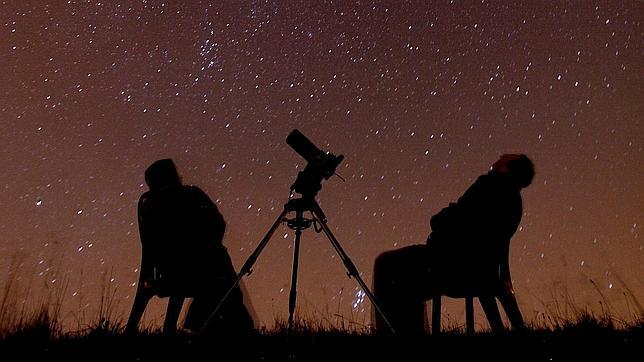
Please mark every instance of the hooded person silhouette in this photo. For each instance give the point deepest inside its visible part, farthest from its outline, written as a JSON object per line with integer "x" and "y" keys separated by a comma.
{"x": 181, "y": 232}
{"x": 466, "y": 253}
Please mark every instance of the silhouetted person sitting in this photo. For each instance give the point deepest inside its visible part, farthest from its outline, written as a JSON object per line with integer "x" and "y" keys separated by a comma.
{"x": 182, "y": 255}
{"x": 466, "y": 253}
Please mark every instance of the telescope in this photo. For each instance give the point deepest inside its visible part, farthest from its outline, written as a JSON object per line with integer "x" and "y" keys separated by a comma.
{"x": 320, "y": 165}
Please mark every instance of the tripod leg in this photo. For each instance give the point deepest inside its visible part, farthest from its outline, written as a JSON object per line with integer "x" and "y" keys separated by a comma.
{"x": 247, "y": 268}
{"x": 293, "y": 292}
{"x": 352, "y": 271}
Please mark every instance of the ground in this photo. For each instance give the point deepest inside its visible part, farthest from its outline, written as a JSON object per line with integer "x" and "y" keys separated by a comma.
{"x": 562, "y": 345}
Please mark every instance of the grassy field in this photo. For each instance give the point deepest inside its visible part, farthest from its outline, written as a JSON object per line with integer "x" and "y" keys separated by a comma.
{"x": 36, "y": 333}
{"x": 587, "y": 337}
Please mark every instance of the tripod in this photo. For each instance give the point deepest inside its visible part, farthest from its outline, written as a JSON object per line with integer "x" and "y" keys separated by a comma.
{"x": 299, "y": 223}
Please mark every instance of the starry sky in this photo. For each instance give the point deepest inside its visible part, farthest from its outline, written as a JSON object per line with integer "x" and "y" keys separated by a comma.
{"x": 421, "y": 97}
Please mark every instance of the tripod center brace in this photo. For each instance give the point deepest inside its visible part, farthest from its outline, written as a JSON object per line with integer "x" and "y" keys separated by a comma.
{"x": 299, "y": 223}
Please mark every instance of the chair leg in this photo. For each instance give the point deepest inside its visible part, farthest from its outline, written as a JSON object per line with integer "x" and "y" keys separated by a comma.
{"x": 436, "y": 315}
{"x": 509, "y": 303}
{"x": 469, "y": 315}
{"x": 492, "y": 313}
{"x": 138, "y": 308}
{"x": 172, "y": 315}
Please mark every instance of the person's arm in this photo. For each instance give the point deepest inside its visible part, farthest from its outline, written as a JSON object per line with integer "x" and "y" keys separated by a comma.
{"x": 220, "y": 223}
{"x": 143, "y": 295}
{"x": 452, "y": 218}
{"x": 146, "y": 272}
{"x": 212, "y": 214}
{"x": 507, "y": 297}
{"x": 513, "y": 218}
{"x": 444, "y": 218}
{"x": 504, "y": 266}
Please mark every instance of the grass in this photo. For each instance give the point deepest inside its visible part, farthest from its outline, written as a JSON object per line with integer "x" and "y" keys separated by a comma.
{"x": 39, "y": 336}
{"x": 563, "y": 332}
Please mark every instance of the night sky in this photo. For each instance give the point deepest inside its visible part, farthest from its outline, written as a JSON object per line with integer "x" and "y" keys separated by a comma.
{"x": 421, "y": 97}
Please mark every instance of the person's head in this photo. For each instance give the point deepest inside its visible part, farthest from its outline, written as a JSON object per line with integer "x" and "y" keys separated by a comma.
{"x": 162, "y": 173}
{"x": 518, "y": 166}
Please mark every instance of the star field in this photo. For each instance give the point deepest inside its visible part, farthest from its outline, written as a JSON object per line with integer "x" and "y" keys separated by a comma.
{"x": 420, "y": 97}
